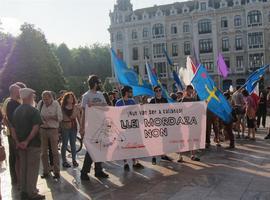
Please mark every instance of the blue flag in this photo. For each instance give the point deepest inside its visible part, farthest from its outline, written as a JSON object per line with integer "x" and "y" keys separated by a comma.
{"x": 207, "y": 91}
{"x": 254, "y": 78}
{"x": 175, "y": 76}
{"x": 129, "y": 77}
{"x": 154, "y": 81}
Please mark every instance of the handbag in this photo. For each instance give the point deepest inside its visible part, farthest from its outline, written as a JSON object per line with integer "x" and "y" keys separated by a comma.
{"x": 2, "y": 154}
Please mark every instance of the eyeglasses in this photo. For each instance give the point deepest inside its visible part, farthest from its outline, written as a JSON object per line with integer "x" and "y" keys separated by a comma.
{"x": 156, "y": 91}
{"x": 130, "y": 91}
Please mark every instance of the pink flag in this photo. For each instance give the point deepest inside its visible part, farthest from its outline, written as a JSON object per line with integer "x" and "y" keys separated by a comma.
{"x": 222, "y": 67}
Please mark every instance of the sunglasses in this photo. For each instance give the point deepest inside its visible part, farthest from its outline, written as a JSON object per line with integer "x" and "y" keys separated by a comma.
{"x": 156, "y": 91}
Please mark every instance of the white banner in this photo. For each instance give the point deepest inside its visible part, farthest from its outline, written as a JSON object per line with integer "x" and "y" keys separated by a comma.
{"x": 117, "y": 133}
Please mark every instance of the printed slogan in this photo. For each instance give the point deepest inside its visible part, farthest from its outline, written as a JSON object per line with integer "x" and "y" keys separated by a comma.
{"x": 117, "y": 133}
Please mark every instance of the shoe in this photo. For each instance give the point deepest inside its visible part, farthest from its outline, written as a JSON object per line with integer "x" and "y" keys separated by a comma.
{"x": 102, "y": 175}
{"x": 37, "y": 197}
{"x": 66, "y": 165}
{"x": 75, "y": 164}
{"x": 238, "y": 137}
{"x": 180, "y": 159}
{"x": 154, "y": 161}
{"x": 84, "y": 177}
{"x": 218, "y": 145}
{"x": 138, "y": 166}
{"x": 44, "y": 176}
{"x": 167, "y": 158}
{"x": 126, "y": 167}
{"x": 230, "y": 147}
{"x": 267, "y": 137}
{"x": 194, "y": 158}
{"x": 56, "y": 175}
{"x": 252, "y": 139}
{"x": 247, "y": 137}
{"x": 207, "y": 146}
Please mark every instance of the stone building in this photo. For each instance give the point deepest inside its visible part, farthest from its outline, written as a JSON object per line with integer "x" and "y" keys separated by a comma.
{"x": 239, "y": 29}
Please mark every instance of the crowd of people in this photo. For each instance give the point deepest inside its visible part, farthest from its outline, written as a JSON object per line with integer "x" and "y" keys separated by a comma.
{"x": 33, "y": 128}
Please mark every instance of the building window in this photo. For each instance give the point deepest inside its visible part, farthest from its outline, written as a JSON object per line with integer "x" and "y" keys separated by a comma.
{"x": 255, "y": 40}
{"x": 173, "y": 29}
{"x": 239, "y": 63}
{"x": 161, "y": 69}
{"x": 145, "y": 32}
{"x": 158, "y": 50}
{"x": 237, "y": 20}
{"x": 254, "y": 18}
{"x": 203, "y": 6}
{"x": 238, "y": 43}
{"x": 158, "y": 31}
{"x": 224, "y": 22}
{"x": 255, "y": 61}
{"x": 206, "y": 46}
{"x": 135, "y": 53}
{"x": 186, "y": 27}
{"x": 174, "y": 50}
{"x": 209, "y": 65}
{"x": 136, "y": 69}
{"x": 204, "y": 26}
{"x": 119, "y": 36}
{"x": 146, "y": 52}
{"x": 187, "y": 48}
{"x": 134, "y": 35}
{"x": 112, "y": 37}
{"x": 225, "y": 44}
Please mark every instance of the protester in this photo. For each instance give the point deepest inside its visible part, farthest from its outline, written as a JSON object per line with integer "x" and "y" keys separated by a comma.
{"x": 51, "y": 115}
{"x": 229, "y": 125}
{"x": 92, "y": 98}
{"x": 156, "y": 100}
{"x": 179, "y": 95}
{"x": 189, "y": 96}
{"x": 127, "y": 99}
{"x": 212, "y": 121}
{"x": 238, "y": 104}
{"x": 173, "y": 96}
{"x": 262, "y": 110}
{"x": 107, "y": 98}
{"x": 25, "y": 131}
{"x": 250, "y": 108}
{"x": 268, "y": 110}
{"x": 71, "y": 115}
{"x": 11, "y": 106}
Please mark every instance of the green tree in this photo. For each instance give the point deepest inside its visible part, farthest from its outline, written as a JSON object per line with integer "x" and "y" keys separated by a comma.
{"x": 66, "y": 60}
{"x": 6, "y": 44}
{"x": 32, "y": 62}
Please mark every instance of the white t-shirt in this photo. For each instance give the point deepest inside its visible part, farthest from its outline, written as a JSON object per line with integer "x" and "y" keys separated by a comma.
{"x": 92, "y": 97}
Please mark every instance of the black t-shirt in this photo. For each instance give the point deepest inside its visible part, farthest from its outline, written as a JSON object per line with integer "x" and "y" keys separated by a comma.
{"x": 156, "y": 100}
{"x": 12, "y": 105}
{"x": 24, "y": 118}
{"x": 187, "y": 99}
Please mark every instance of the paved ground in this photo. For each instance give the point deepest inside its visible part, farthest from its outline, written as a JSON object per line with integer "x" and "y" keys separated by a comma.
{"x": 243, "y": 173}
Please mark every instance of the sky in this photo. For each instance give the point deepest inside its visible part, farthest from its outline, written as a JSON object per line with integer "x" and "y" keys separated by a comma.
{"x": 74, "y": 22}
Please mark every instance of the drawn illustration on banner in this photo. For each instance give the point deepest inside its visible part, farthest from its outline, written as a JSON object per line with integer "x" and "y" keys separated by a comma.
{"x": 107, "y": 134}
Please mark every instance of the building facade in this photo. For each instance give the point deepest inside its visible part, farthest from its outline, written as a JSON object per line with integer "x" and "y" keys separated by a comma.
{"x": 239, "y": 29}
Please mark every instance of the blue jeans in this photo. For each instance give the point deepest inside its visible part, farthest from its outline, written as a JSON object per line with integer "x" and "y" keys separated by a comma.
{"x": 68, "y": 134}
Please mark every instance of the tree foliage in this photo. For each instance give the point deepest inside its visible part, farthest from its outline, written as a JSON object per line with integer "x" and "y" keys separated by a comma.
{"x": 32, "y": 62}
{"x": 6, "y": 44}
